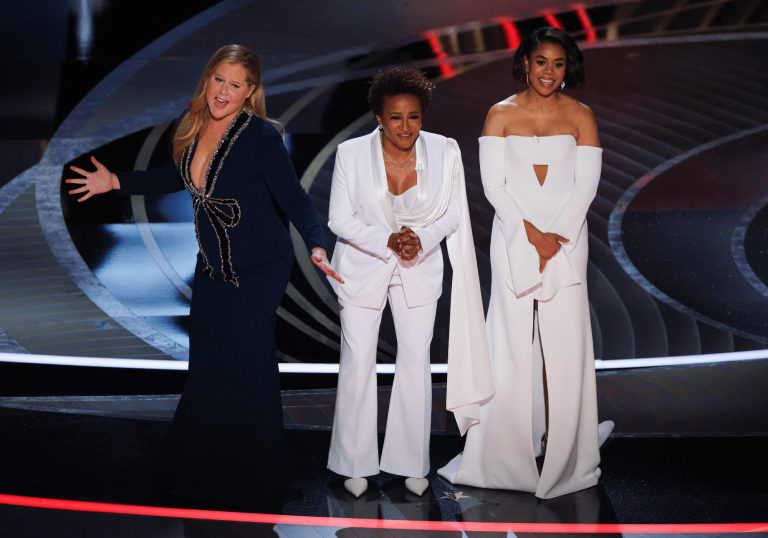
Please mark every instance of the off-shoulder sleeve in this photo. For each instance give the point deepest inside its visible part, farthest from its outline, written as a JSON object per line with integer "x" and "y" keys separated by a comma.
{"x": 570, "y": 219}
{"x": 522, "y": 255}
{"x": 524, "y": 276}
{"x": 277, "y": 171}
{"x": 163, "y": 180}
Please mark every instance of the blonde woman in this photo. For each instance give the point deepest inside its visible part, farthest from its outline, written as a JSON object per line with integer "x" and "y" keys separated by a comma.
{"x": 226, "y": 442}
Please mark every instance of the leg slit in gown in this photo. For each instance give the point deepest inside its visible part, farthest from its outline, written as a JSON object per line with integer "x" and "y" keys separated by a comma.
{"x": 500, "y": 451}
{"x": 539, "y": 399}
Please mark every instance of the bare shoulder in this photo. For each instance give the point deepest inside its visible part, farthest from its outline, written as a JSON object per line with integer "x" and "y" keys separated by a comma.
{"x": 581, "y": 111}
{"x": 586, "y": 124}
{"x": 500, "y": 115}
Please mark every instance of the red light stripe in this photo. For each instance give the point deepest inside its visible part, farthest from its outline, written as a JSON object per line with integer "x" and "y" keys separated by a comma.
{"x": 552, "y": 21}
{"x": 275, "y": 519}
{"x": 434, "y": 43}
{"x": 587, "y": 24}
{"x": 510, "y": 32}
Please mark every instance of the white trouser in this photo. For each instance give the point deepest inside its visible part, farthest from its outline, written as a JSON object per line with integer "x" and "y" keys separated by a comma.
{"x": 354, "y": 445}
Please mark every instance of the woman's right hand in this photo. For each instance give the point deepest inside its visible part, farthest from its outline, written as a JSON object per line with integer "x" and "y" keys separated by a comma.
{"x": 393, "y": 244}
{"x": 102, "y": 180}
{"x": 320, "y": 258}
{"x": 405, "y": 244}
{"x": 410, "y": 244}
{"x": 547, "y": 244}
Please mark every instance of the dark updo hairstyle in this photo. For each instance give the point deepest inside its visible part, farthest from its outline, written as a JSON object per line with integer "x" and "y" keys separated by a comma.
{"x": 399, "y": 81}
{"x": 574, "y": 63}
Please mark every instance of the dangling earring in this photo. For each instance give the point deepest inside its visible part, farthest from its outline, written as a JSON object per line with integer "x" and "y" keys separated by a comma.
{"x": 562, "y": 86}
{"x": 526, "y": 78}
{"x": 381, "y": 128}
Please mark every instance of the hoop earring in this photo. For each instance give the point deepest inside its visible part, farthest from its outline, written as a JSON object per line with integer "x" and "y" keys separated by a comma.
{"x": 562, "y": 86}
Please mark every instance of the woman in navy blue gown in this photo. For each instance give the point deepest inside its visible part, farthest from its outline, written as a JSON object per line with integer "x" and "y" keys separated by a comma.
{"x": 226, "y": 443}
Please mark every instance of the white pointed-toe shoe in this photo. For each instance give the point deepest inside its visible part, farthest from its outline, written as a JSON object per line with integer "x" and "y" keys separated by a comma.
{"x": 356, "y": 486}
{"x": 416, "y": 485}
{"x": 604, "y": 430}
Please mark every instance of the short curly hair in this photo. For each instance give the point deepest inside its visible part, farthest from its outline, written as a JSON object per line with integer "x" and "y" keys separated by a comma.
{"x": 399, "y": 81}
{"x": 574, "y": 62}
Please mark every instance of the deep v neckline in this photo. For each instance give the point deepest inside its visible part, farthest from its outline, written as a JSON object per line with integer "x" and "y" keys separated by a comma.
{"x": 193, "y": 150}
{"x": 192, "y": 153}
{"x": 222, "y": 213}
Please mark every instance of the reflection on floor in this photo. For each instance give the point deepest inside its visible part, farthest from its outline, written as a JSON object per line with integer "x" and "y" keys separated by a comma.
{"x": 652, "y": 480}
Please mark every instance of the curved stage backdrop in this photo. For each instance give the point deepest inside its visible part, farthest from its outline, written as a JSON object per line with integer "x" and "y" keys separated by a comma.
{"x": 677, "y": 233}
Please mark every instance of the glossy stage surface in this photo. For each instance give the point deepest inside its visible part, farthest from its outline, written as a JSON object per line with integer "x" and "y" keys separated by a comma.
{"x": 109, "y": 460}
{"x": 678, "y": 272}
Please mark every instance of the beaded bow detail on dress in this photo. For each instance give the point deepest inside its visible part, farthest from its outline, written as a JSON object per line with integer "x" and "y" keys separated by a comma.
{"x": 215, "y": 208}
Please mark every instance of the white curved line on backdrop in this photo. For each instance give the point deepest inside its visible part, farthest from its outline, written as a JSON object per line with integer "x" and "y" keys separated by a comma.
{"x": 737, "y": 246}
{"x": 617, "y": 245}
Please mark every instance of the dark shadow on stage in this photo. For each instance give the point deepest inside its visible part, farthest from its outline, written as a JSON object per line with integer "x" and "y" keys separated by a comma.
{"x": 645, "y": 480}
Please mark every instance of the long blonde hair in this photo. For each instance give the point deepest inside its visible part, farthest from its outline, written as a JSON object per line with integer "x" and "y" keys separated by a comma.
{"x": 194, "y": 123}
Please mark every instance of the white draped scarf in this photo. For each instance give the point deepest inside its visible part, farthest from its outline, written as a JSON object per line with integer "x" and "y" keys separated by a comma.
{"x": 470, "y": 376}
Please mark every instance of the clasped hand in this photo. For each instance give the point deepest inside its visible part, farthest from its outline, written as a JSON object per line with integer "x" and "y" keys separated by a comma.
{"x": 405, "y": 244}
{"x": 547, "y": 244}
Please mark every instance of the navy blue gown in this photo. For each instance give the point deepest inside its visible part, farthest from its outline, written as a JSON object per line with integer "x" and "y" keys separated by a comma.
{"x": 226, "y": 442}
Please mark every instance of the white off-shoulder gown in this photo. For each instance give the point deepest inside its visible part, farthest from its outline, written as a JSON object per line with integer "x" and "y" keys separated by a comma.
{"x": 500, "y": 451}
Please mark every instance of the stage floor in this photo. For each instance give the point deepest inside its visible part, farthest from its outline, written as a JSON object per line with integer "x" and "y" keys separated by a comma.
{"x": 666, "y": 481}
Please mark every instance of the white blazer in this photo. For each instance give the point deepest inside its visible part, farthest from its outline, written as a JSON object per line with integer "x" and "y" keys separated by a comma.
{"x": 361, "y": 215}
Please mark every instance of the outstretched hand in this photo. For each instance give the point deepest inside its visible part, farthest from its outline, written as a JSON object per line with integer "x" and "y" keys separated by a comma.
{"x": 320, "y": 258}
{"x": 100, "y": 181}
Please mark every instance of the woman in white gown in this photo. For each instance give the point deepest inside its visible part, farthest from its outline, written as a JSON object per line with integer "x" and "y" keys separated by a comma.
{"x": 540, "y": 162}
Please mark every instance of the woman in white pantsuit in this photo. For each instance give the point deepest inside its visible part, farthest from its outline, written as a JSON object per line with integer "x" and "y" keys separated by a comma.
{"x": 396, "y": 194}
{"x": 540, "y": 162}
